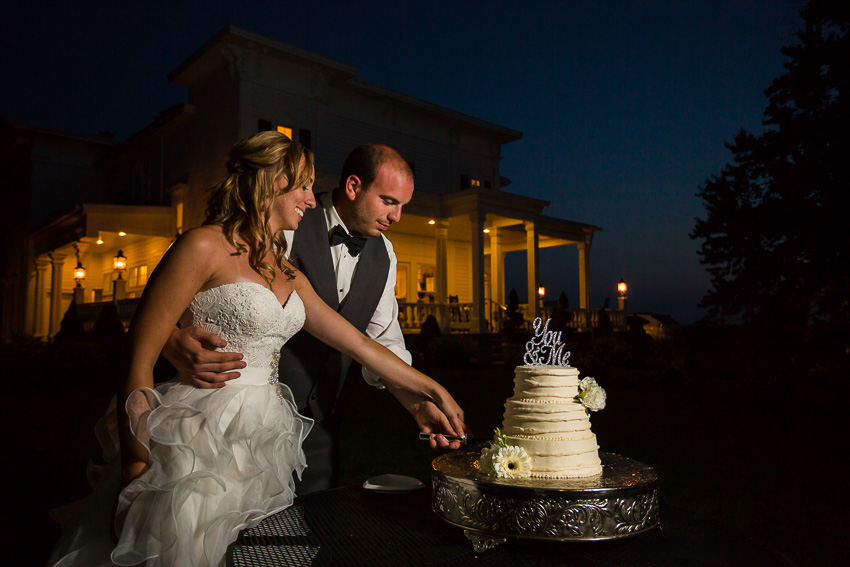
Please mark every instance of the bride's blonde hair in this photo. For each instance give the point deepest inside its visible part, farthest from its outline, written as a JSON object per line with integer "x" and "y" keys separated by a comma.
{"x": 242, "y": 202}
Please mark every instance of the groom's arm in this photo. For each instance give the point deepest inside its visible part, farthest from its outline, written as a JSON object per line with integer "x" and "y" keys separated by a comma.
{"x": 192, "y": 351}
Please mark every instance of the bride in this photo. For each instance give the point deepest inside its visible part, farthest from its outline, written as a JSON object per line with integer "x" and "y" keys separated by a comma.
{"x": 197, "y": 466}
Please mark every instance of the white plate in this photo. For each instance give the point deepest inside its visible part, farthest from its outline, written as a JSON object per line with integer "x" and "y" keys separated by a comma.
{"x": 392, "y": 483}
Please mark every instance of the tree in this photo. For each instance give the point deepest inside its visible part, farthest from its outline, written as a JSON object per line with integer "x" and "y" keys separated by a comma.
{"x": 775, "y": 235}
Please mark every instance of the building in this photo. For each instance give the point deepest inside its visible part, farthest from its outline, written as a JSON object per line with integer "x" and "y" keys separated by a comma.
{"x": 136, "y": 195}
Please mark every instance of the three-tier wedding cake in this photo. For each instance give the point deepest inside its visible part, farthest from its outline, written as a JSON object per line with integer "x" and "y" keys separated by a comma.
{"x": 546, "y": 428}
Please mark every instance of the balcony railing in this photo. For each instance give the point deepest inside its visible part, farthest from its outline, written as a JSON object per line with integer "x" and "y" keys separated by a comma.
{"x": 456, "y": 317}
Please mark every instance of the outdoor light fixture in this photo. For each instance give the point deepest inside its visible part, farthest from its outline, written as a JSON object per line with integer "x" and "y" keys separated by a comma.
{"x": 99, "y": 238}
{"x": 541, "y": 290}
{"x": 122, "y": 233}
{"x": 119, "y": 263}
{"x": 79, "y": 273}
{"x": 486, "y": 231}
{"x": 622, "y": 288}
{"x": 432, "y": 221}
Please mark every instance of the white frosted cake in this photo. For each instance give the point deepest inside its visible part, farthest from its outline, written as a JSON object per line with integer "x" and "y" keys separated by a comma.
{"x": 545, "y": 419}
{"x": 546, "y": 430}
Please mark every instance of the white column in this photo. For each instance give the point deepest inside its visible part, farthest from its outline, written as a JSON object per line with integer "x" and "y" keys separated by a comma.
{"x": 479, "y": 322}
{"x": 497, "y": 267}
{"x": 584, "y": 275}
{"x": 532, "y": 241}
{"x": 39, "y": 327}
{"x": 57, "y": 261}
{"x": 441, "y": 287}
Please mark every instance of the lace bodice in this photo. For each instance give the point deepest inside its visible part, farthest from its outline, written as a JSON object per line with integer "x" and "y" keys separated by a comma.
{"x": 248, "y": 316}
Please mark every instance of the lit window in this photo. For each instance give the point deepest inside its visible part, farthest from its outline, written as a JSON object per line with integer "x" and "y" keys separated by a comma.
{"x": 138, "y": 276}
{"x": 475, "y": 182}
{"x": 285, "y": 131}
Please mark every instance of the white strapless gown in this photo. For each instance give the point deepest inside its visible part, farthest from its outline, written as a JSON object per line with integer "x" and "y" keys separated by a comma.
{"x": 221, "y": 460}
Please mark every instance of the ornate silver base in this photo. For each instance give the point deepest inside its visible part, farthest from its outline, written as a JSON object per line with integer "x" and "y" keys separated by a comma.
{"x": 620, "y": 502}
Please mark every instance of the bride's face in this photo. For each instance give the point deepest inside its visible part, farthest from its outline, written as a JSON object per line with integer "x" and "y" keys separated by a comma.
{"x": 289, "y": 207}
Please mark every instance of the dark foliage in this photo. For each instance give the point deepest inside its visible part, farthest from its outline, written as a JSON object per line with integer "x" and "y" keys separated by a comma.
{"x": 775, "y": 236}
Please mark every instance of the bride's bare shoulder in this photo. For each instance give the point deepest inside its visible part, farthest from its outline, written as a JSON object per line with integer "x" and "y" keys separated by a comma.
{"x": 203, "y": 238}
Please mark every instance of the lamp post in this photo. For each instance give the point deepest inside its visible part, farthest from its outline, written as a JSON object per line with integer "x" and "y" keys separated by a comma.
{"x": 119, "y": 285}
{"x": 79, "y": 276}
{"x": 622, "y": 288}
{"x": 541, "y": 291}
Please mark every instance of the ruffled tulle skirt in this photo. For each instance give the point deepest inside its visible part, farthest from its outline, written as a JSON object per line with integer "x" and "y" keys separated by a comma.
{"x": 221, "y": 461}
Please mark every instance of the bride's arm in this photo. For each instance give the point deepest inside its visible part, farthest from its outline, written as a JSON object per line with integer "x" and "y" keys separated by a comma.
{"x": 184, "y": 269}
{"x": 412, "y": 388}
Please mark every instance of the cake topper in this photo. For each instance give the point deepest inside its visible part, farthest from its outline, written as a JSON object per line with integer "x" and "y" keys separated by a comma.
{"x": 545, "y": 347}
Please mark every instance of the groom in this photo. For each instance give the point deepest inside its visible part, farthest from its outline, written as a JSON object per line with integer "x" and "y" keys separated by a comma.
{"x": 341, "y": 249}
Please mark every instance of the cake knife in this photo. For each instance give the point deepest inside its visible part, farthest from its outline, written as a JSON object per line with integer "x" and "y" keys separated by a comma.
{"x": 463, "y": 440}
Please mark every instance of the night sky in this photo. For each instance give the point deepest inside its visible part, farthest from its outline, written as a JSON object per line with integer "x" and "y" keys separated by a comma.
{"x": 624, "y": 106}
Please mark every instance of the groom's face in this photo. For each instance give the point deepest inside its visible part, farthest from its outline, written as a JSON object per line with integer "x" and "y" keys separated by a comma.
{"x": 369, "y": 211}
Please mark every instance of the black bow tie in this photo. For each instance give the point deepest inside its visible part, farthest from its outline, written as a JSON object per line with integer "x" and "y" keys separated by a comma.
{"x": 354, "y": 243}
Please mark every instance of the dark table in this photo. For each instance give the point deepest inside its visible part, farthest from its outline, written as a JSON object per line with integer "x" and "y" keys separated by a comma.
{"x": 358, "y": 527}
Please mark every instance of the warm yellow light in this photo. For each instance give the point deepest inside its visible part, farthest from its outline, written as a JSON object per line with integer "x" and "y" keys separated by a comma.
{"x": 541, "y": 291}
{"x": 486, "y": 231}
{"x": 622, "y": 287}
{"x": 119, "y": 262}
{"x": 122, "y": 233}
{"x": 99, "y": 240}
{"x": 475, "y": 183}
{"x": 285, "y": 131}
{"x": 79, "y": 272}
{"x": 432, "y": 221}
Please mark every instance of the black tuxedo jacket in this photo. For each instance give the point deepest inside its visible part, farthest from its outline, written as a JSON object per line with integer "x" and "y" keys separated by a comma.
{"x": 314, "y": 371}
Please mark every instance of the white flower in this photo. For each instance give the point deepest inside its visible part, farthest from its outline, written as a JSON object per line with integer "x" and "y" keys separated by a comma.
{"x": 593, "y": 399}
{"x": 511, "y": 462}
{"x": 592, "y": 395}
{"x": 485, "y": 461}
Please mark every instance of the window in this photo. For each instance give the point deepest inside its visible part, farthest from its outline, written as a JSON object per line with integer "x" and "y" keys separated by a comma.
{"x": 306, "y": 138}
{"x": 138, "y": 276}
{"x": 402, "y": 275}
{"x": 179, "y": 215}
{"x": 425, "y": 281}
{"x": 264, "y": 125}
{"x": 285, "y": 131}
{"x": 466, "y": 182}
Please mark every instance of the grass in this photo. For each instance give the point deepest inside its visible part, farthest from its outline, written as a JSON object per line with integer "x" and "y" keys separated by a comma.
{"x": 766, "y": 460}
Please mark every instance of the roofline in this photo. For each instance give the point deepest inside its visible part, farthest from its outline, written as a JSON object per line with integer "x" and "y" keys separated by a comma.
{"x": 279, "y": 45}
{"x": 508, "y": 134}
{"x": 105, "y": 139}
{"x": 348, "y": 75}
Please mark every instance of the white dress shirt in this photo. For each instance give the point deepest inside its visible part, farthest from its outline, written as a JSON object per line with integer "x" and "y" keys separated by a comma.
{"x": 383, "y": 327}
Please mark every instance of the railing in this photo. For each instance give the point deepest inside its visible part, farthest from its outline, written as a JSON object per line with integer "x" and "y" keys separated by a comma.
{"x": 89, "y": 312}
{"x": 456, "y": 316}
{"x": 453, "y": 316}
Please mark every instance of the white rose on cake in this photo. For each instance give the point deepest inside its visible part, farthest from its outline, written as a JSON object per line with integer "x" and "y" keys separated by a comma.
{"x": 592, "y": 395}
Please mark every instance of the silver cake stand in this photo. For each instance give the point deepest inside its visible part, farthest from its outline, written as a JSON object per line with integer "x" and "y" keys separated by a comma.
{"x": 620, "y": 502}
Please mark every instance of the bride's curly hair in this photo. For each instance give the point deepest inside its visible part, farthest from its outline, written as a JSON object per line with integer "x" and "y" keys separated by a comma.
{"x": 242, "y": 202}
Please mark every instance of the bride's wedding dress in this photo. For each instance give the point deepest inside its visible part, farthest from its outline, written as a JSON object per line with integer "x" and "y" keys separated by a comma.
{"x": 221, "y": 460}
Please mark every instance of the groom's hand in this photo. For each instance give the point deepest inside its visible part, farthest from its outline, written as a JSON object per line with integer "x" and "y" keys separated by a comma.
{"x": 432, "y": 420}
{"x": 192, "y": 352}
